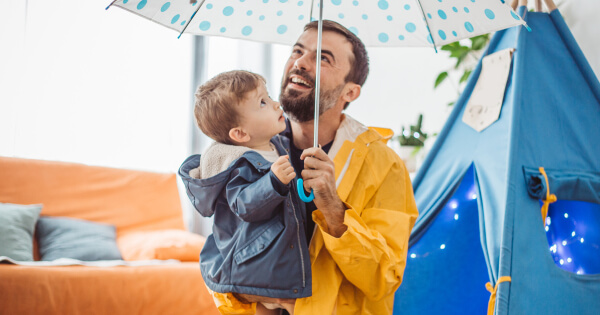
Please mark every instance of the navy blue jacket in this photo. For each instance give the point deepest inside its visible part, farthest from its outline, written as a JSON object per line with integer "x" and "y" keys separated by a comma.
{"x": 258, "y": 245}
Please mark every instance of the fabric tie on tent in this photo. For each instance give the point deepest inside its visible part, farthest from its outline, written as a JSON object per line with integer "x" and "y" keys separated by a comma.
{"x": 492, "y": 290}
{"x": 550, "y": 198}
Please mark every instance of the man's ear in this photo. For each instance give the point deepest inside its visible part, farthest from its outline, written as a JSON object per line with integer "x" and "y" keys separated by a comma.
{"x": 238, "y": 135}
{"x": 352, "y": 92}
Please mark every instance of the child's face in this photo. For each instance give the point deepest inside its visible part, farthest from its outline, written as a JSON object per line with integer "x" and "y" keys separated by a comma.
{"x": 260, "y": 116}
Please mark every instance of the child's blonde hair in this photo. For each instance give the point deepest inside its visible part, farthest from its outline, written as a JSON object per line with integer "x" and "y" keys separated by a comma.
{"x": 214, "y": 108}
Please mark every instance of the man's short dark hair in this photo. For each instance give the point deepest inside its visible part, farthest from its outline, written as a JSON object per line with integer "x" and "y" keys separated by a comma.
{"x": 359, "y": 67}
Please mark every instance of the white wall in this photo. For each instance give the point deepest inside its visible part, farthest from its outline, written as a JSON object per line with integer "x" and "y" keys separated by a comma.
{"x": 78, "y": 83}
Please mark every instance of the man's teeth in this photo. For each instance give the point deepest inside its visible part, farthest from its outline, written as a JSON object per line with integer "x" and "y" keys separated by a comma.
{"x": 298, "y": 80}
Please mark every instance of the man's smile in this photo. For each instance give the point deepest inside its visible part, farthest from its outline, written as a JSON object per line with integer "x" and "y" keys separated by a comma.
{"x": 299, "y": 83}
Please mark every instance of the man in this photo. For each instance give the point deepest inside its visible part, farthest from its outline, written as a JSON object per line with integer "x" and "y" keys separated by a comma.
{"x": 364, "y": 208}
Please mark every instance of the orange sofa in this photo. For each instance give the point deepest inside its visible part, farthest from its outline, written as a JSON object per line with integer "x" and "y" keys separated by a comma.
{"x": 133, "y": 201}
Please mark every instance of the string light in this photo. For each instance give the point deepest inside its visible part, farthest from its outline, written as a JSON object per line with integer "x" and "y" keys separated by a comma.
{"x": 456, "y": 216}
{"x": 443, "y": 246}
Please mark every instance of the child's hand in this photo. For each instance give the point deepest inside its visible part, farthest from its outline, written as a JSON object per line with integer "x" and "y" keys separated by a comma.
{"x": 283, "y": 169}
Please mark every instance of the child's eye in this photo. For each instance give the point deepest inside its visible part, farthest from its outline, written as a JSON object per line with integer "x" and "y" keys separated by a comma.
{"x": 263, "y": 103}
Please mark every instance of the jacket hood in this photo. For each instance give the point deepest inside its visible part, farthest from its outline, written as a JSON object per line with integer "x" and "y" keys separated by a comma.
{"x": 205, "y": 176}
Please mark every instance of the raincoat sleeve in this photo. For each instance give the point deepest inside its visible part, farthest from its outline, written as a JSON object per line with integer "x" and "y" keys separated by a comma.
{"x": 381, "y": 212}
{"x": 254, "y": 201}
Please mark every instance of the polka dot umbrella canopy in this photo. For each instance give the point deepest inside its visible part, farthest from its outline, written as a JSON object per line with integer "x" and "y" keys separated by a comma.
{"x": 375, "y": 22}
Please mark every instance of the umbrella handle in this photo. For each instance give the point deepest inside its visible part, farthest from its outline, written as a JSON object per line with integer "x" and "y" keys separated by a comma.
{"x": 301, "y": 194}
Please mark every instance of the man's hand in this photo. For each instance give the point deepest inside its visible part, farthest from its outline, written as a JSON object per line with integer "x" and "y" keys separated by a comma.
{"x": 319, "y": 175}
{"x": 282, "y": 168}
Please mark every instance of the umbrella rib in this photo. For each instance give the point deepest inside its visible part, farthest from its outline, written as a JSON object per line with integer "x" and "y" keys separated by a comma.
{"x": 427, "y": 24}
{"x": 110, "y": 4}
{"x": 192, "y": 17}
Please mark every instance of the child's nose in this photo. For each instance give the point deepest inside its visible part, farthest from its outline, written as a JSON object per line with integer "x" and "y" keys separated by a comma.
{"x": 277, "y": 105}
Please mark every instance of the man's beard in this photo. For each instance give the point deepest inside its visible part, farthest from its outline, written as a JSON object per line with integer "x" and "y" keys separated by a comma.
{"x": 302, "y": 108}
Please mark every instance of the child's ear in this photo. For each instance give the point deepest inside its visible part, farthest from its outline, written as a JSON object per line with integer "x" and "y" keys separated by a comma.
{"x": 238, "y": 135}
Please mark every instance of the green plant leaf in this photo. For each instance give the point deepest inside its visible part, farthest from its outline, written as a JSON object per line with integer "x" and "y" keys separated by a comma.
{"x": 441, "y": 77}
{"x": 451, "y": 104}
{"x": 465, "y": 76}
{"x": 479, "y": 42}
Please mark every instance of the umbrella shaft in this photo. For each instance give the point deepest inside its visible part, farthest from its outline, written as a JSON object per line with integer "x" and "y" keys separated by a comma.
{"x": 318, "y": 78}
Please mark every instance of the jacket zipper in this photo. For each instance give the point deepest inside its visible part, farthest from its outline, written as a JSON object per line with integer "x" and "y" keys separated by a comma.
{"x": 297, "y": 228}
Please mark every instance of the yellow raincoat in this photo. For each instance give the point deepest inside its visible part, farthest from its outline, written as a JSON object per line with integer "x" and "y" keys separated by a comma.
{"x": 359, "y": 272}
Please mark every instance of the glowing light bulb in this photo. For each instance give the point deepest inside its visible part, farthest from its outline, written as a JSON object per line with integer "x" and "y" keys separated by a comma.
{"x": 573, "y": 234}
{"x": 413, "y": 255}
{"x": 579, "y": 272}
{"x": 456, "y": 216}
{"x": 548, "y": 221}
{"x": 443, "y": 246}
{"x": 453, "y": 204}
{"x": 569, "y": 260}
{"x": 582, "y": 239}
{"x": 416, "y": 134}
{"x": 562, "y": 262}
{"x": 547, "y": 228}
{"x": 473, "y": 196}
{"x": 406, "y": 133}
{"x": 566, "y": 215}
{"x": 564, "y": 243}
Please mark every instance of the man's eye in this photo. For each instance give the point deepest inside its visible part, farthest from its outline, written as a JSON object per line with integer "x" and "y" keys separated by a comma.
{"x": 324, "y": 58}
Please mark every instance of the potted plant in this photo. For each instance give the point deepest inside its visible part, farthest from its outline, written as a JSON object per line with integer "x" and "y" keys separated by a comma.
{"x": 411, "y": 143}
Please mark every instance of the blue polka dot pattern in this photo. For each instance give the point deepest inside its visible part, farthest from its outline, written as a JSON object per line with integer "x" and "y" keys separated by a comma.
{"x": 209, "y": 6}
{"x": 469, "y": 27}
{"x": 442, "y": 14}
{"x": 442, "y": 34}
{"x": 353, "y": 30}
{"x": 454, "y": 33}
{"x": 406, "y": 7}
{"x": 247, "y": 30}
{"x": 249, "y": 13}
{"x": 182, "y": 23}
{"x": 165, "y": 7}
{"x": 279, "y": 13}
{"x": 262, "y": 17}
{"x": 516, "y": 17}
{"x": 466, "y": 10}
{"x": 454, "y": 9}
{"x": 429, "y": 15}
{"x": 355, "y": 3}
{"x": 490, "y": 14}
{"x": 174, "y": 19}
{"x": 401, "y": 37}
{"x": 411, "y": 27}
{"x": 364, "y": 16}
{"x": 142, "y": 4}
{"x": 389, "y": 17}
{"x": 283, "y": 1}
{"x": 281, "y": 29}
{"x": 300, "y": 3}
{"x": 429, "y": 39}
{"x": 335, "y": 2}
{"x": 383, "y": 5}
{"x": 301, "y": 17}
{"x": 222, "y": 30}
{"x": 204, "y": 25}
{"x": 125, "y": 1}
{"x": 383, "y": 37}
{"x": 227, "y": 11}
{"x": 341, "y": 15}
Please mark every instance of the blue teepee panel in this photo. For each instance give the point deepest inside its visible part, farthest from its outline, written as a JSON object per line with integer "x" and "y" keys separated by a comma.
{"x": 550, "y": 118}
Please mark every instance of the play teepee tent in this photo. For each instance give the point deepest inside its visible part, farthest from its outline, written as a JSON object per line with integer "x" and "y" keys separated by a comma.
{"x": 483, "y": 195}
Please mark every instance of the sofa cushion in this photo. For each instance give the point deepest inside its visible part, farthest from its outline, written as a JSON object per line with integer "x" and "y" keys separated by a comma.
{"x": 16, "y": 230}
{"x": 78, "y": 239}
{"x": 163, "y": 244}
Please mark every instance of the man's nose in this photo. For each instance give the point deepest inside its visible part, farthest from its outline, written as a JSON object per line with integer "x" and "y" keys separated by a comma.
{"x": 305, "y": 62}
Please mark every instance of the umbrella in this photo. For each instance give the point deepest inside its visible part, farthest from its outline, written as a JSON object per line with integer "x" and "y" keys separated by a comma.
{"x": 376, "y": 22}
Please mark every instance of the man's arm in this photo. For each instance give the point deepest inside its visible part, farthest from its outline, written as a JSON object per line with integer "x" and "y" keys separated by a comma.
{"x": 371, "y": 252}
